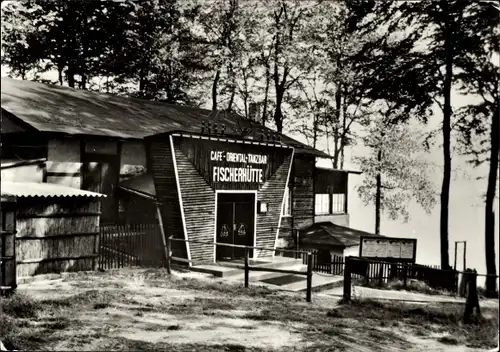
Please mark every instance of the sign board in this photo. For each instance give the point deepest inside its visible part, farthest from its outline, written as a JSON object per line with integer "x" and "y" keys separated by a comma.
{"x": 388, "y": 248}
{"x": 239, "y": 167}
{"x": 232, "y": 166}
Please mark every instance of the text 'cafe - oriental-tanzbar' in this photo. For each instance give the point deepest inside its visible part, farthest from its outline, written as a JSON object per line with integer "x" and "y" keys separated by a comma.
{"x": 228, "y": 189}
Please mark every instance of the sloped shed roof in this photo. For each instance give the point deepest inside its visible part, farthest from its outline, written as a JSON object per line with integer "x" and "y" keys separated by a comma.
{"x": 51, "y": 108}
{"x": 142, "y": 184}
{"x": 329, "y": 234}
{"x": 44, "y": 190}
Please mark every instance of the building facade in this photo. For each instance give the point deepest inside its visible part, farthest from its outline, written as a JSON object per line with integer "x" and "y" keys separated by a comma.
{"x": 216, "y": 178}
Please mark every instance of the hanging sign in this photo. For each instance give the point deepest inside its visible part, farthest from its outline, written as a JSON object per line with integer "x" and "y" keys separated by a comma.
{"x": 242, "y": 231}
{"x": 224, "y": 232}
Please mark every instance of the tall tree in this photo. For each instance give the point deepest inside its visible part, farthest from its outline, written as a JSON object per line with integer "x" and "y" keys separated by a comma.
{"x": 289, "y": 52}
{"x": 61, "y": 36}
{"x": 163, "y": 55}
{"x": 228, "y": 30}
{"x": 336, "y": 47}
{"x": 412, "y": 64}
{"x": 395, "y": 174}
{"x": 479, "y": 126}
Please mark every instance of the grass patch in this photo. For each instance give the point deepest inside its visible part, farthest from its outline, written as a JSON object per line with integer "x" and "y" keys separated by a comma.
{"x": 425, "y": 319}
{"x": 412, "y": 285}
{"x": 19, "y": 306}
{"x": 449, "y": 340}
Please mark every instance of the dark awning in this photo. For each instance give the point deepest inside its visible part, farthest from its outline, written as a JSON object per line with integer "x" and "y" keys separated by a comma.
{"x": 329, "y": 234}
{"x": 142, "y": 185}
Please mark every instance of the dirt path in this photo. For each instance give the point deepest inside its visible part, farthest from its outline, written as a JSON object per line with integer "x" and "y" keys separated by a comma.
{"x": 366, "y": 292}
{"x": 141, "y": 309}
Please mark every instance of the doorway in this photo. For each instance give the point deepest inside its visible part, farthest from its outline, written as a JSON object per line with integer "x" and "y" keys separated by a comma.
{"x": 235, "y": 224}
{"x": 100, "y": 175}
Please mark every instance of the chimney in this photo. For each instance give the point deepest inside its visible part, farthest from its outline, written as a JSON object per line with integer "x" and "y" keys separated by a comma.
{"x": 254, "y": 113}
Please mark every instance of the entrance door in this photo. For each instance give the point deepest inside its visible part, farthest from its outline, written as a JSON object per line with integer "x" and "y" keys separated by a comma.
{"x": 100, "y": 176}
{"x": 235, "y": 224}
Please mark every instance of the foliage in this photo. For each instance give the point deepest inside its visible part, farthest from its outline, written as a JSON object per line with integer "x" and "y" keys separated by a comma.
{"x": 404, "y": 173}
{"x": 425, "y": 43}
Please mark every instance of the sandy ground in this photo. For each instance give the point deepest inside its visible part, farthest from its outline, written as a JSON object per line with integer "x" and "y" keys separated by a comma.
{"x": 153, "y": 313}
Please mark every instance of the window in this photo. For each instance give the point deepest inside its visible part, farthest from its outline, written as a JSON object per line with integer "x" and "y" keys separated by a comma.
{"x": 330, "y": 203}
{"x": 322, "y": 204}
{"x": 287, "y": 200}
{"x": 338, "y": 203}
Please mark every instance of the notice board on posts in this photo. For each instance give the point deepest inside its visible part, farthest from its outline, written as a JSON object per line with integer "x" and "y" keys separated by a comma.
{"x": 388, "y": 248}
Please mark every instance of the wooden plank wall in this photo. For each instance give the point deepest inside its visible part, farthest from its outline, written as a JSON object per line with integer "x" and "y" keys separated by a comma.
{"x": 198, "y": 199}
{"x": 330, "y": 181}
{"x": 271, "y": 192}
{"x": 303, "y": 191}
{"x": 56, "y": 235}
{"x": 162, "y": 168}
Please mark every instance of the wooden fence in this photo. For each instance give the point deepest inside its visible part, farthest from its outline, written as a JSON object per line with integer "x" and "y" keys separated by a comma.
{"x": 378, "y": 273}
{"x": 333, "y": 266}
{"x": 130, "y": 245}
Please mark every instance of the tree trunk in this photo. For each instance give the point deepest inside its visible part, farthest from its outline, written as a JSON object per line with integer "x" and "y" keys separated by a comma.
{"x": 445, "y": 189}
{"x": 344, "y": 132}
{"x": 378, "y": 196}
{"x": 142, "y": 82}
{"x": 338, "y": 139}
{"x": 233, "y": 87}
{"x": 278, "y": 117}
{"x": 231, "y": 99}
{"x": 83, "y": 83}
{"x": 70, "y": 75}
{"x": 336, "y": 149}
{"x": 214, "y": 90}
{"x": 315, "y": 130}
{"x": 266, "y": 93}
{"x": 489, "y": 233}
{"x": 60, "y": 75}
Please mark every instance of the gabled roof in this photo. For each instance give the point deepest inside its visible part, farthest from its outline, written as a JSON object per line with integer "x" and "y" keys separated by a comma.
{"x": 44, "y": 190}
{"x": 51, "y": 108}
{"x": 330, "y": 234}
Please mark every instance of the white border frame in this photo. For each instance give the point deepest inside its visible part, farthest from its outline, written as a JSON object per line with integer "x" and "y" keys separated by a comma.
{"x": 283, "y": 202}
{"x": 255, "y": 193}
{"x": 180, "y": 201}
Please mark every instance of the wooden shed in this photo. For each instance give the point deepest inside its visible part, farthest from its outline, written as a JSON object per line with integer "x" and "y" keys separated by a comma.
{"x": 57, "y": 227}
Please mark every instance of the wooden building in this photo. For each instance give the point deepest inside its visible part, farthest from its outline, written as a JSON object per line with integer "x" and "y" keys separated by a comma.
{"x": 216, "y": 176}
{"x": 57, "y": 227}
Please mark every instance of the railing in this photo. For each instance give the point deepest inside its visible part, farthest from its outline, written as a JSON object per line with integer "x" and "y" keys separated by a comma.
{"x": 247, "y": 268}
{"x": 334, "y": 264}
{"x": 130, "y": 245}
{"x": 297, "y": 254}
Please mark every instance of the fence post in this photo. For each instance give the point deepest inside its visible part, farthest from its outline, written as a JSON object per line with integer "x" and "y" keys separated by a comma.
{"x": 246, "y": 268}
{"x": 380, "y": 274}
{"x": 472, "y": 296}
{"x": 405, "y": 277}
{"x": 169, "y": 254}
{"x": 347, "y": 280}
{"x": 309, "y": 277}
